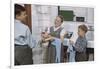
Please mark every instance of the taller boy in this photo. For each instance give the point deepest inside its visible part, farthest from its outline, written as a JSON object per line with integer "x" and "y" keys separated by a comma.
{"x": 22, "y": 38}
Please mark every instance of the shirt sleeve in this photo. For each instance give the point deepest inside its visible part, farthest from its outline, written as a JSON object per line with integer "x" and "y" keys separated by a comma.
{"x": 30, "y": 40}
{"x": 63, "y": 32}
{"x": 48, "y": 31}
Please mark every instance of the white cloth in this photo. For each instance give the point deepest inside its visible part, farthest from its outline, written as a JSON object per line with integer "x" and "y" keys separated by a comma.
{"x": 70, "y": 50}
{"x": 22, "y": 34}
{"x": 57, "y": 44}
{"x": 66, "y": 42}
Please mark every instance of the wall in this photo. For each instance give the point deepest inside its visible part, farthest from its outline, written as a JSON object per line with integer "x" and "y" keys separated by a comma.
{"x": 81, "y": 12}
{"x": 42, "y": 17}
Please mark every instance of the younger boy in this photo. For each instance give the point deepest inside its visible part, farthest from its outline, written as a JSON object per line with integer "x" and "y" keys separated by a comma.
{"x": 81, "y": 44}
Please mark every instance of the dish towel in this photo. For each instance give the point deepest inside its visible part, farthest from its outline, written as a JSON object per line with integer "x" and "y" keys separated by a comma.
{"x": 57, "y": 44}
{"x": 70, "y": 50}
{"x": 71, "y": 53}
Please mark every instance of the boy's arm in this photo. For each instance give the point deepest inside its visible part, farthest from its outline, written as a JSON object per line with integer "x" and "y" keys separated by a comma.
{"x": 29, "y": 38}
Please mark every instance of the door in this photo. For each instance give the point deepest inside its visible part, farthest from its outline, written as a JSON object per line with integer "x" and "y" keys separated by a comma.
{"x": 28, "y": 19}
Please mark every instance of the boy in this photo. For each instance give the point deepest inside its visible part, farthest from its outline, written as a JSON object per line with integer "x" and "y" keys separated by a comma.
{"x": 22, "y": 38}
{"x": 81, "y": 44}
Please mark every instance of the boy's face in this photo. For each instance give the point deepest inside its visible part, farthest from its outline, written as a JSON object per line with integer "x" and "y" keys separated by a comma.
{"x": 81, "y": 32}
{"x": 58, "y": 22}
{"x": 22, "y": 16}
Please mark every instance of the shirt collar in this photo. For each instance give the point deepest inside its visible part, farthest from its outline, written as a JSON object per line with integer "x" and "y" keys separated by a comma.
{"x": 17, "y": 21}
{"x": 56, "y": 28}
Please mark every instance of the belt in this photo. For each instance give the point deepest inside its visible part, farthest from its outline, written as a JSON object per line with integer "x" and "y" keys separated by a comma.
{"x": 21, "y": 45}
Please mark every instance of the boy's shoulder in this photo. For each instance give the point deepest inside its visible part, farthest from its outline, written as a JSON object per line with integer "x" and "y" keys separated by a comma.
{"x": 82, "y": 39}
{"x": 21, "y": 24}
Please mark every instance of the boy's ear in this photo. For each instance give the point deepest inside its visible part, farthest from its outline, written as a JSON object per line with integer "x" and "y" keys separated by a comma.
{"x": 17, "y": 16}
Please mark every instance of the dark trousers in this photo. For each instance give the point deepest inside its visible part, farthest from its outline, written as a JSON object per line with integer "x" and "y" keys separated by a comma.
{"x": 23, "y": 55}
{"x": 64, "y": 54}
{"x": 80, "y": 56}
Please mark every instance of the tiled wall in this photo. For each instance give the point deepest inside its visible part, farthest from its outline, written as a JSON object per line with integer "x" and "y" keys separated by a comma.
{"x": 42, "y": 17}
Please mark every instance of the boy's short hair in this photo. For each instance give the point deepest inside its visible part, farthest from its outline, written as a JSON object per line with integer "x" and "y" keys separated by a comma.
{"x": 61, "y": 17}
{"x": 18, "y": 9}
{"x": 83, "y": 27}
